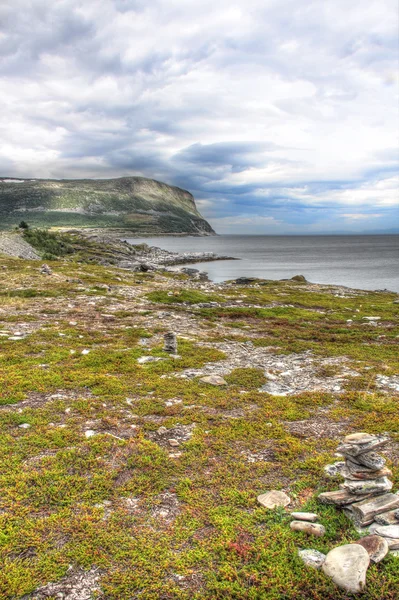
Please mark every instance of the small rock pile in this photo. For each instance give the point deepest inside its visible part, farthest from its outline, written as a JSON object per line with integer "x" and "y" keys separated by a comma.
{"x": 365, "y": 494}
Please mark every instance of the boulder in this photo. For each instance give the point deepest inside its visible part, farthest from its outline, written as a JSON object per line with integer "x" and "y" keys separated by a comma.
{"x": 274, "y": 499}
{"x": 376, "y": 546}
{"x": 312, "y": 558}
{"x": 347, "y": 566}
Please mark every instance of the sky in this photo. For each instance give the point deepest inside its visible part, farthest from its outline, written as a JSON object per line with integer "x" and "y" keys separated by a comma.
{"x": 280, "y": 116}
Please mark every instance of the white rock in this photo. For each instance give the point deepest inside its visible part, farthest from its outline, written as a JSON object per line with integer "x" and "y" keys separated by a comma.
{"x": 347, "y": 566}
{"x": 273, "y": 499}
{"x": 305, "y": 516}
{"x": 89, "y": 433}
{"x": 24, "y": 426}
{"x": 214, "y": 380}
{"x": 85, "y": 351}
{"x": 387, "y": 531}
{"x": 312, "y": 558}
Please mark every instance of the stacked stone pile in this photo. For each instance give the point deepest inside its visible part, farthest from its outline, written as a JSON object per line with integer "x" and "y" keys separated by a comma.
{"x": 366, "y": 493}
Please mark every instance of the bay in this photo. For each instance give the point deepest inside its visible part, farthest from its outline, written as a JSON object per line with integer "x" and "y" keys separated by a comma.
{"x": 367, "y": 262}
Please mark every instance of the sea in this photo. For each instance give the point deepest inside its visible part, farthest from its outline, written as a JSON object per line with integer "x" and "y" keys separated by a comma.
{"x": 369, "y": 262}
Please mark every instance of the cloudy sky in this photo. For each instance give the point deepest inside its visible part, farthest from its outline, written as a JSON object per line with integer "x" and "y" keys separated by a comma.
{"x": 280, "y": 116}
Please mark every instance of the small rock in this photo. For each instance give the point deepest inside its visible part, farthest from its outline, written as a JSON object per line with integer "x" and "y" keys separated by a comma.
{"x": 85, "y": 351}
{"x": 24, "y": 426}
{"x": 214, "y": 380}
{"x": 312, "y": 558}
{"x": 162, "y": 430}
{"x": 305, "y": 516}
{"x": 309, "y": 528}
{"x": 173, "y": 442}
{"x": 147, "y": 359}
{"x": 376, "y": 546}
{"x": 347, "y": 566}
{"x": 89, "y": 433}
{"x": 45, "y": 270}
{"x": 273, "y": 499}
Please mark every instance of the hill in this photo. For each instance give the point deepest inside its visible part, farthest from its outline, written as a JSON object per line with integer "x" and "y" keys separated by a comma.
{"x": 142, "y": 206}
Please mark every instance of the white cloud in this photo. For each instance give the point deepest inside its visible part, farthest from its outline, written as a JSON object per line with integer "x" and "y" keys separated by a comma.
{"x": 128, "y": 88}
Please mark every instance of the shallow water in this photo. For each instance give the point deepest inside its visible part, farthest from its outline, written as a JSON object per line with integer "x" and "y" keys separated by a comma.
{"x": 361, "y": 261}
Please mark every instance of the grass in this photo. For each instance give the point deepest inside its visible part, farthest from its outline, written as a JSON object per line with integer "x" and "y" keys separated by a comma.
{"x": 176, "y": 522}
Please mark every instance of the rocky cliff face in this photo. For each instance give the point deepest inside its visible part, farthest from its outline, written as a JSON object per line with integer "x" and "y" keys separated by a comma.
{"x": 143, "y": 206}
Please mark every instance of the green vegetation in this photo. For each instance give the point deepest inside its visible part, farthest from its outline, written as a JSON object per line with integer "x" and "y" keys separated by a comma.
{"x": 140, "y": 205}
{"x": 176, "y": 522}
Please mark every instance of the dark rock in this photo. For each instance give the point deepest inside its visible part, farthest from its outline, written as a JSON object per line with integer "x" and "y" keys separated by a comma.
{"x": 376, "y": 546}
{"x": 300, "y": 278}
{"x": 244, "y": 280}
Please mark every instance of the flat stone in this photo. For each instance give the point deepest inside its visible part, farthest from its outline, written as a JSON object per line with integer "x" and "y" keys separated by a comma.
{"x": 388, "y": 518}
{"x": 376, "y": 546}
{"x": 364, "y": 474}
{"x": 339, "y": 497}
{"x": 273, "y": 499}
{"x": 393, "y": 543}
{"x": 310, "y": 528}
{"x": 359, "y": 438}
{"x": 372, "y": 460}
{"x": 347, "y": 566}
{"x": 373, "y": 486}
{"x": 305, "y": 516}
{"x": 366, "y": 510}
{"x": 355, "y": 449}
{"x": 388, "y": 531}
{"x": 312, "y": 558}
{"x": 214, "y": 380}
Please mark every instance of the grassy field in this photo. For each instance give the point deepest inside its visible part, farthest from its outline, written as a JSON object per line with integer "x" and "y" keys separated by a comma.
{"x": 89, "y": 481}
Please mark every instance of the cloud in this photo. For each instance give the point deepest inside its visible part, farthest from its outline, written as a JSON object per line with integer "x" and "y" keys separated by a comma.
{"x": 283, "y": 111}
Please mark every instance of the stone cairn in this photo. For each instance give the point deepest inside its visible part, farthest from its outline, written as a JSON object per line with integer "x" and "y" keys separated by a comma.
{"x": 170, "y": 342}
{"x": 365, "y": 494}
{"x": 366, "y": 498}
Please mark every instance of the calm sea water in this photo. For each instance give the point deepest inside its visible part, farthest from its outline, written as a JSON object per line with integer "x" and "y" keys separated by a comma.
{"x": 368, "y": 262}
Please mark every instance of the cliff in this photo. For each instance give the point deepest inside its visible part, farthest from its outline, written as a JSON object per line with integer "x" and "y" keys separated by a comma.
{"x": 142, "y": 206}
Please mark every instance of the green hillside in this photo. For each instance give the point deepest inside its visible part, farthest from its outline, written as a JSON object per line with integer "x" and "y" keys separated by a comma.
{"x": 134, "y": 203}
